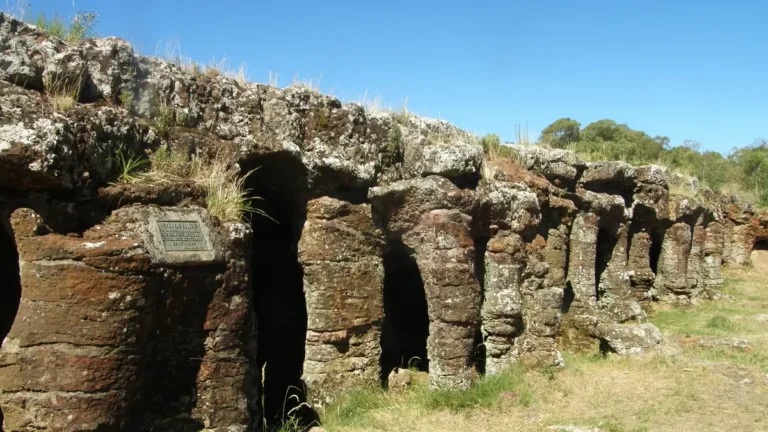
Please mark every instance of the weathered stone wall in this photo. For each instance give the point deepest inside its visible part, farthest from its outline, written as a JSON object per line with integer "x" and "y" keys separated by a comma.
{"x": 518, "y": 257}
{"x": 107, "y": 338}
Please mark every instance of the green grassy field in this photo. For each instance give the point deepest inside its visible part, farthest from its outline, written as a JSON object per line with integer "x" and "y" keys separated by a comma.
{"x": 703, "y": 389}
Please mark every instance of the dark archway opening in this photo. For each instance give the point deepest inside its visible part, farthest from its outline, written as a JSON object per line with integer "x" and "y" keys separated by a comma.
{"x": 606, "y": 242}
{"x": 277, "y": 281}
{"x": 10, "y": 283}
{"x": 406, "y": 320}
{"x": 479, "y": 354}
{"x": 568, "y": 297}
{"x": 657, "y": 239}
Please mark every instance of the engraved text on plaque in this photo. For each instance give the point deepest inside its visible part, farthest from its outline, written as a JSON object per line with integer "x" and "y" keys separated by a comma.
{"x": 182, "y": 236}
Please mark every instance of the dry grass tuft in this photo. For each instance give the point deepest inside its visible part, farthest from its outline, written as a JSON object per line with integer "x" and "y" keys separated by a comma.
{"x": 63, "y": 92}
{"x": 226, "y": 195}
{"x": 312, "y": 84}
{"x": 171, "y": 51}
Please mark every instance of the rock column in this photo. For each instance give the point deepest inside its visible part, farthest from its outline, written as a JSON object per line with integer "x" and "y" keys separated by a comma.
{"x": 73, "y": 358}
{"x": 341, "y": 253}
{"x": 502, "y": 309}
{"x": 581, "y": 263}
{"x": 445, "y": 254}
{"x": 671, "y": 277}
{"x": 641, "y": 276}
{"x": 713, "y": 256}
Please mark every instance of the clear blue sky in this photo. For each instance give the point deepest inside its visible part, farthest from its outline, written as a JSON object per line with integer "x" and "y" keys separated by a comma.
{"x": 685, "y": 69}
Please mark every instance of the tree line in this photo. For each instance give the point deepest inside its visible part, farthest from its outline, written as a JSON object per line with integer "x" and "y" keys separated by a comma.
{"x": 744, "y": 171}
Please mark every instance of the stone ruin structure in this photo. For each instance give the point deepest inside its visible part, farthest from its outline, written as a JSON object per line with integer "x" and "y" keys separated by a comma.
{"x": 392, "y": 241}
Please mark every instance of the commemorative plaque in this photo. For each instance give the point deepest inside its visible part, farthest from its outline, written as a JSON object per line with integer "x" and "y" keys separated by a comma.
{"x": 181, "y": 236}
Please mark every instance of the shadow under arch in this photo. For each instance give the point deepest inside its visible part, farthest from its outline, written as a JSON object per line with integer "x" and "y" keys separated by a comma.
{"x": 406, "y": 321}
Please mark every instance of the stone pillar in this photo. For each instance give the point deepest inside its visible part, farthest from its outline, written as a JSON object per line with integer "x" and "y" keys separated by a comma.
{"x": 542, "y": 306}
{"x": 581, "y": 263}
{"x": 200, "y": 358}
{"x": 738, "y": 244}
{"x": 614, "y": 285}
{"x": 143, "y": 322}
{"x": 73, "y": 357}
{"x": 502, "y": 309}
{"x": 695, "y": 269}
{"x": 555, "y": 254}
{"x": 641, "y": 276}
{"x": 445, "y": 254}
{"x": 713, "y": 253}
{"x": 341, "y": 253}
{"x": 227, "y": 381}
{"x": 671, "y": 277}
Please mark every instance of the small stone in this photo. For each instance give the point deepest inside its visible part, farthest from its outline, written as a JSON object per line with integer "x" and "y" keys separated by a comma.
{"x": 399, "y": 379}
{"x": 572, "y": 429}
{"x": 724, "y": 342}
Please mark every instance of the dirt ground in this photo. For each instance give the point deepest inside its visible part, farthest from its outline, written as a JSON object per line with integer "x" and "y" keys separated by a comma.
{"x": 720, "y": 388}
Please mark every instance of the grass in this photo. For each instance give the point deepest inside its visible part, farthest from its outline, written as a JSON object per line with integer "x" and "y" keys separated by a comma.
{"x": 226, "y": 195}
{"x": 731, "y": 318}
{"x": 360, "y": 406}
{"x": 702, "y": 389}
{"x": 171, "y": 51}
{"x": 63, "y": 92}
{"x": 130, "y": 167}
{"x": 126, "y": 100}
{"x": 79, "y": 27}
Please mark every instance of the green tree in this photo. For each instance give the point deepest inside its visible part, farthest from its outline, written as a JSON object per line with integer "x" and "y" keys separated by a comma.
{"x": 608, "y": 140}
{"x": 753, "y": 164}
{"x": 561, "y": 133}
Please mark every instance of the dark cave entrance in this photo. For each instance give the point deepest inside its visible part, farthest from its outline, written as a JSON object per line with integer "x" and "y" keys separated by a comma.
{"x": 479, "y": 354}
{"x": 657, "y": 239}
{"x": 277, "y": 280}
{"x": 10, "y": 283}
{"x": 406, "y": 320}
{"x": 568, "y": 297}
{"x": 606, "y": 242}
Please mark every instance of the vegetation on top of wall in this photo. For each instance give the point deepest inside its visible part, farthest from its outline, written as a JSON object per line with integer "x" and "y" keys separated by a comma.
{"x": 79, "y": 27}
{"x": 226, "y": 196}
{"x": 743, "y": 172}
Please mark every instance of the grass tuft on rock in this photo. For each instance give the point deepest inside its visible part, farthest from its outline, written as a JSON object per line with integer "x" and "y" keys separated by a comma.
{"x": 79, "y": 27}
{"x": 63, "y": 92}
{"x": 226, "y": 195}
